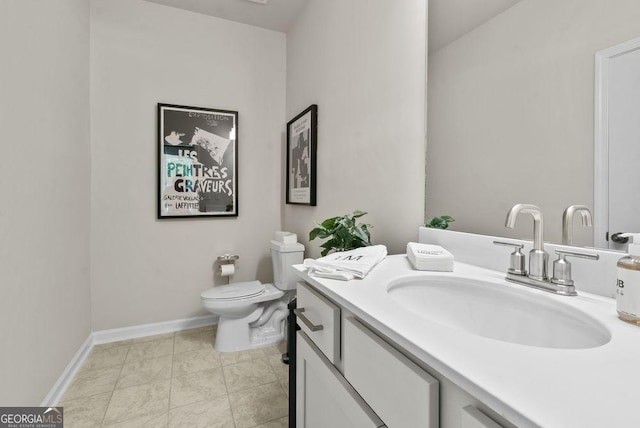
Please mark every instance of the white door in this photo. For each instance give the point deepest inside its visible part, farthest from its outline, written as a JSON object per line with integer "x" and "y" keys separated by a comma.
{"x": 323, "y": 397}
{"x": 618, "y": 107}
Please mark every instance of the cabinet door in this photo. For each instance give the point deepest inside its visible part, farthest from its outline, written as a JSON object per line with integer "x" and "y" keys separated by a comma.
{"x": 399, "y": 391}
{"x": 324, "y": 398}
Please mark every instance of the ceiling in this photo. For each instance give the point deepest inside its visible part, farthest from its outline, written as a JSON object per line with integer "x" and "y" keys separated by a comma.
{"x": 451, "y": 19}
{"x": 448, "y": 19}
{"x": 277, "y": 15}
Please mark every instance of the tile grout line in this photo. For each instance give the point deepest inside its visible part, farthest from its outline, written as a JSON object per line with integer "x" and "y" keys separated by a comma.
{"x": 281, "y": 387}
{"x": 266, "y": 358}
{"x": 285, "y": 390}
{"x": 233, "y": 418}
{"x": 140, "y": 360}
{"x": 271, "y": 420}
{"x": 203, "y": 400}
{"x": 226, "y": 387}
{"x": 79, "y": 376}
{"x": 114, "y": 386}
{"x": 173, "y": 355}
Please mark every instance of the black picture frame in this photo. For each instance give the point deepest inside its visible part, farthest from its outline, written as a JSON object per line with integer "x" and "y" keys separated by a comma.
{"x": 197, "y": 162}
{"x": 302, "y": 147}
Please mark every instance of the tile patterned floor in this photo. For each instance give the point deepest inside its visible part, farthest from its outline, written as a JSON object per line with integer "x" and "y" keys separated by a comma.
{"x": 178, "y": 380}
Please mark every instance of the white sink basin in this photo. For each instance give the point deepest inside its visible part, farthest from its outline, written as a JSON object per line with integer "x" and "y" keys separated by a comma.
{"x": 498, "y": 312}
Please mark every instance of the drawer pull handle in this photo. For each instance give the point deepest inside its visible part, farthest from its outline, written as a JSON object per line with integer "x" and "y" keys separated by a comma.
{"x": 304, "y": 319}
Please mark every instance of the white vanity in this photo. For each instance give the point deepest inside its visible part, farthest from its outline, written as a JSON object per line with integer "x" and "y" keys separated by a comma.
{"x": 350, "y": 377}
{"x": 390, "y": 351}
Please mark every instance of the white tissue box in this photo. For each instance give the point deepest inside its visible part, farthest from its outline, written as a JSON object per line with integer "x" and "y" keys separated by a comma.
{"x": 429, "y": 257}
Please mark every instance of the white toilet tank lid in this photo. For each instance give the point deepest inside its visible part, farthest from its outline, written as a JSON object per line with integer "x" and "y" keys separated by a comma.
{"x": 232, "y": 291}
{"x": 282, "y": 247}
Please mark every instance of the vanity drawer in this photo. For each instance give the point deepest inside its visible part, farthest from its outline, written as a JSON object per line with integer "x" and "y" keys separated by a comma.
{"x": 320, "y": 320}
{"x": 474, "y": 418}
{"x": 401, "y": 393}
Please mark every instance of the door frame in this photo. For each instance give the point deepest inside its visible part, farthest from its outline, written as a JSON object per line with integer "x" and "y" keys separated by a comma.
{"x": 601, "y": 137}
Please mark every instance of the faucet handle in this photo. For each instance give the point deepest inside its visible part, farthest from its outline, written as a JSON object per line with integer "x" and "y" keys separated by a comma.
{"x": 562, "y": 268}
{"x": 516, "y": 259}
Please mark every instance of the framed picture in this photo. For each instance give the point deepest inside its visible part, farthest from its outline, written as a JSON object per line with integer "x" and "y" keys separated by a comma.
{"x": 197, "y": 162}
{"x": 301, "y": 157}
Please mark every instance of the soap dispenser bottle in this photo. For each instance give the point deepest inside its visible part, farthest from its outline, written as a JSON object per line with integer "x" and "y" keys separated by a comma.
{"x": 628, "y": 284}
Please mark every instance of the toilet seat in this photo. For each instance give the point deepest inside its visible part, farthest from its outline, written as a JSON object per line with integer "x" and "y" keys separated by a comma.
{"x": 235, "y": 291}
{"x": 218, "y": 305}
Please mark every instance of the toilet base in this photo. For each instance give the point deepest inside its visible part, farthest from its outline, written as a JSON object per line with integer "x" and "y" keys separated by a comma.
{"x": 238, "y": 334}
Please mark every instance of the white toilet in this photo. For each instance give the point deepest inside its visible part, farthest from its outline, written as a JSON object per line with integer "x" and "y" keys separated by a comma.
{"x": 252, "y": 314}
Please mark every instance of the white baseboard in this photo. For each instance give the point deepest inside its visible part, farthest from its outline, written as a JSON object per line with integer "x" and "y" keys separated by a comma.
{"x": 61, "y": 385}
{"x": 144, "y": 330}
{"x": 114, "y": 335}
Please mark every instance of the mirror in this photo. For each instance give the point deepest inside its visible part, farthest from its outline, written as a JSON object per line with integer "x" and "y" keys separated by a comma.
{"x": 511, "y": 115}
{"x": 617, "y": 153}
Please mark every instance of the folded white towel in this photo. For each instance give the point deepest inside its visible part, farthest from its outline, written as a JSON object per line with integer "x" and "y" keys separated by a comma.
{"x": 325, "y": 272}
{"x": 347, "y": 265}
{"x": 429, "y": 257}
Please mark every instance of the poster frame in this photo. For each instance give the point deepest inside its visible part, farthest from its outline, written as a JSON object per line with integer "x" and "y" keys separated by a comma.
{"x": 297, "y": 195}
{"x": 162, "y": 183}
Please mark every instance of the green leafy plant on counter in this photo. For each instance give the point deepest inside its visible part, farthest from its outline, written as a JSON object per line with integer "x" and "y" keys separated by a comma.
{"x": 344, "y": 233}
{"x": 441, "y": 222}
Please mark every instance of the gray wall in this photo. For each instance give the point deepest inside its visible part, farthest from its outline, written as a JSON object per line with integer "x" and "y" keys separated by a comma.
{"x": 80, "y": 166}
{"x": 44, "y": 215}
{"x": 144, "y": 270}
{"x": 363, "y": 63}
{"x": 511, "y": 114}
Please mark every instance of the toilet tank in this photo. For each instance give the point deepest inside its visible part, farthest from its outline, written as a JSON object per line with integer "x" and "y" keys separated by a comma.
{"x": 283, "y": 256}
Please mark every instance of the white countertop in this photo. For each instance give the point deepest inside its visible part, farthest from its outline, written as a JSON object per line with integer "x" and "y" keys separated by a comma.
{"x": 527, "y": 385}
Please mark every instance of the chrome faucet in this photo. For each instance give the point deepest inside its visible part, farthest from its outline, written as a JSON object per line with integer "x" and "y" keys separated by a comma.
{"x": 561, "y": 282}
{"x": 567, "y": 221}
{"x": 538, "y": 257}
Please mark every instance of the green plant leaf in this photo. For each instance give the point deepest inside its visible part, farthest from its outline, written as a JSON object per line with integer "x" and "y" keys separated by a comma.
{"x": 330, "y": 244}
{"x": 314, "y": 233}
{"x": 345, "y": 222}
{"x": 344, "y": 236}
{"x": 330, "y": 223}
{"x": 361, "y": 233}
{"x": 358, "y": 213}
{"x": 343, "y": 232}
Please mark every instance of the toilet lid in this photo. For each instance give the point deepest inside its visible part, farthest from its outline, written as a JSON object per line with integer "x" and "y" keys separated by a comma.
{"x": 237, "y": 290}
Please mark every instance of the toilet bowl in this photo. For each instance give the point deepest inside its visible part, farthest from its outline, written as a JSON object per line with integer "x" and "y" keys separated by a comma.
{"x": 252, "y": 314}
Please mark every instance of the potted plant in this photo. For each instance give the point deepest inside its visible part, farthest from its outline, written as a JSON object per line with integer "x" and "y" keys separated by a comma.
{"x": 344, "y": 233}
{"x": 441, "y": 222}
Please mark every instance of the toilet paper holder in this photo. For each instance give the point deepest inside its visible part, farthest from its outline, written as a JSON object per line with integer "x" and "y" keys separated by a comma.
{"x": 227, "y": 258}
{"x": 226, "y": 265}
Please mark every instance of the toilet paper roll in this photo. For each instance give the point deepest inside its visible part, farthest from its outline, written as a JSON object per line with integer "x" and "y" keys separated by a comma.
{"x": 227, "y": 270}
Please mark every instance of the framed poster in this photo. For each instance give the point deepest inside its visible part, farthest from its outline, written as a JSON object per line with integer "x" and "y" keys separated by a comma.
{"x": 197, "y": 162}
{"x": 301, "y": 157}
